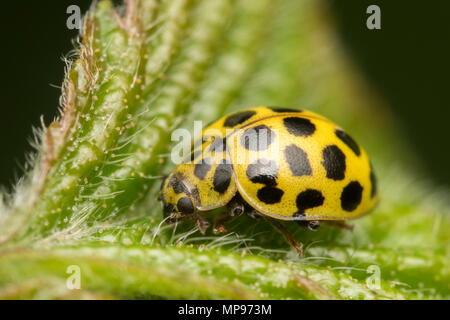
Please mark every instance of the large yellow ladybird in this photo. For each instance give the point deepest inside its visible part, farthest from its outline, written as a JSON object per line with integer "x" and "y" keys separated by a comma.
{"x": 275, "y": 163}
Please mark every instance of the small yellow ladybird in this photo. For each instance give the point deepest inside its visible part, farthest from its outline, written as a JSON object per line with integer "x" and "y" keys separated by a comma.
{"x": 274, "y": 163}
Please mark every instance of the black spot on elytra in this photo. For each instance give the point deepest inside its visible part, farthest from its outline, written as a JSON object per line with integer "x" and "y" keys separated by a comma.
{"x": 297, "y": 160}
{"x": 201, "y": 169}
{"x": 270, "y": 195}
{"x": 299, "y": 127}
{"x": 309, "y": 198}
{"x": 281, "y": 110}
{"x": 218, "y": 145}
{"x": 348, "y": 141}
{"x": 258, "y": 138}
{"x": 373, "y": 182}
{"x": 185, "y": 205}
{"x": 334, "y": 162}
{"x": 238, "y": 118}
{"x": 222, "y": 177}
{"x": 263, "y": 171}
{"x": 351, "y": 196}
{"x": 177, "y": 185}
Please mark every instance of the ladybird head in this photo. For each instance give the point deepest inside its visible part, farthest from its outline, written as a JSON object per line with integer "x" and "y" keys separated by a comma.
{"x": 175, "y": 197}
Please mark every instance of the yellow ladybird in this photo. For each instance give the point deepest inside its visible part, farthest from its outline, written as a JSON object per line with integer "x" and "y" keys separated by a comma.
{"x": 275, "y": 163}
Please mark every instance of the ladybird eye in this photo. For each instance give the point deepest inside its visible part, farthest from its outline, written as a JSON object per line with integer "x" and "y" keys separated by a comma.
{"x": 185, "y": 205}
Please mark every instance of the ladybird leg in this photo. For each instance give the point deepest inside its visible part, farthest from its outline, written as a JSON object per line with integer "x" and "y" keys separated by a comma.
{"x": 219, "y": 222}
{"x": 201, "y": 223}
{"x": 175, "y": 217}
{"x": 340, "y": 224}
{"x": 235, "y": 208}
{"x": 295, "y": 244}
{"x": 312, "y": 225}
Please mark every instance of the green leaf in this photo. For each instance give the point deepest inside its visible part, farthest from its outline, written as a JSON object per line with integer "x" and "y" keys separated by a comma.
{"x": 90, "y": 200}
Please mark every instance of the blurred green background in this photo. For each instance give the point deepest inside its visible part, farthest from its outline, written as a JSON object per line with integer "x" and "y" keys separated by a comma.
{"x": 407, "y": 62}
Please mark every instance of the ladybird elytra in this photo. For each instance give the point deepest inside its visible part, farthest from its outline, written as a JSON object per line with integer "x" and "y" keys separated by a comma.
{"x": 284, "y": 164}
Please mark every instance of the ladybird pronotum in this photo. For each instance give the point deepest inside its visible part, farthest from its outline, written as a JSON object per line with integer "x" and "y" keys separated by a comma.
{"x": 275, "y": 163}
